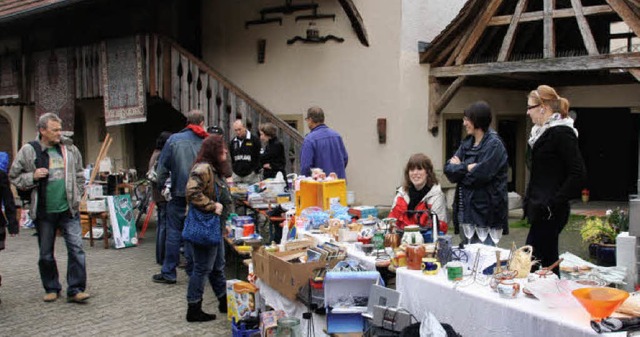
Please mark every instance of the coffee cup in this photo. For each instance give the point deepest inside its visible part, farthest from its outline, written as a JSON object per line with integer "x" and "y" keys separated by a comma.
{"x": 430, "y": 266}
{"x": 454, "y": 270}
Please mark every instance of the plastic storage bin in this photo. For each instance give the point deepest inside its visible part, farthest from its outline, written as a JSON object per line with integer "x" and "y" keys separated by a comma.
{"x": 242, "y": 331}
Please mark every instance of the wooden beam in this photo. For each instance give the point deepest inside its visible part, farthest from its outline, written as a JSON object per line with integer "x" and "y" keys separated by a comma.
{"x": 478, "y": 29}
{"x": 448, "y": 94}
{"x": 447, "y": 51}
{"x": 635, "y": 72}
{"x": 356, "y": 20}
{"x": 433, "y": 120}
{"x": 459, "y": 45}
{"x": 548, "y": 33}
{"x": 507, "y": 43}
{"x": 556, "y": 14}
{"x": 585, "y": 30}
{"x": 561, "y": 64}
{"x": 629, "y": 17}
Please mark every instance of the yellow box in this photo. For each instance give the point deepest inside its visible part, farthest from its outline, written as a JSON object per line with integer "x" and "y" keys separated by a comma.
{"x": 320, "y": 194}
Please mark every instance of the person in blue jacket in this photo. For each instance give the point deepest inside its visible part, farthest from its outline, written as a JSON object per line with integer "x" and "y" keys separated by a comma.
{"x": 322, "y": 147}
{"x": 479, "y": 168}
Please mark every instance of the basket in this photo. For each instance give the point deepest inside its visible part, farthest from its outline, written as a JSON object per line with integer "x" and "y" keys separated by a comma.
{"x": 242, "y": 331}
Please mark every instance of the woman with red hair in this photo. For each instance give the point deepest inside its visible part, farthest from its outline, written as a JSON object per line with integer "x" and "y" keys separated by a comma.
{"x": 207, "y": 190}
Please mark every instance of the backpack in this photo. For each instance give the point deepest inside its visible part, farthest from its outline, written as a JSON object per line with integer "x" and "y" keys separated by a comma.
{"x": 25, "y": 195}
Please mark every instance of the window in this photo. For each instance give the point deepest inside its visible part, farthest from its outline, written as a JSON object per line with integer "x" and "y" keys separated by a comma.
{"x": 622, "y": 39}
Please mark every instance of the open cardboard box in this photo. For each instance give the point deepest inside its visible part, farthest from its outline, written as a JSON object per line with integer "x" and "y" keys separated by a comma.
{"x": 281, "y": 271}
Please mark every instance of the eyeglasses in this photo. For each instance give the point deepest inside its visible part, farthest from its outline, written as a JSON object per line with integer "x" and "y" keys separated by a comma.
{"x": 529, "y": 107}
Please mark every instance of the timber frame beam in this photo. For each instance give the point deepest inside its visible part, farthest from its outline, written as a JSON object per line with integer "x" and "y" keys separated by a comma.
{"x": 439, "y": 102}
{"x": 562, "y": 64}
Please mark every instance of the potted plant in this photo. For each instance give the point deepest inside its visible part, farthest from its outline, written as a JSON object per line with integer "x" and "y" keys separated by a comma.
{"x": 600, "y": 234}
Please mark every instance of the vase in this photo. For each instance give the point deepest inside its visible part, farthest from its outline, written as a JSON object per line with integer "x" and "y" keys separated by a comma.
{"x": 593, "y": 250}
{"x": 606, "y": 255}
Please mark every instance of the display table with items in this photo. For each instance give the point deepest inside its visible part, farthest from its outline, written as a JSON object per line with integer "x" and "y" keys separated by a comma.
{"x": 475, "y": 309}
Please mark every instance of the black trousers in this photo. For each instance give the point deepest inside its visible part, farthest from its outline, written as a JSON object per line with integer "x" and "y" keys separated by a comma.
{"x": 545, "y": 232}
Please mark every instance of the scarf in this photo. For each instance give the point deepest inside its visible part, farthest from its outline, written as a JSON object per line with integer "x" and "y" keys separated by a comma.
{"x": 416, "y": 196}
{"x": 555, "y": 120}
{"x": 198, "y": 130}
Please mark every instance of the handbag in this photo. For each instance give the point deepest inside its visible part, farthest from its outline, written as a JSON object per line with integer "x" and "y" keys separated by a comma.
{"x": 202, "y": 228}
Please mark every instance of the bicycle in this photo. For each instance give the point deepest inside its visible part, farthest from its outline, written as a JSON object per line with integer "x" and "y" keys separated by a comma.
{"x": 143, "y": 204}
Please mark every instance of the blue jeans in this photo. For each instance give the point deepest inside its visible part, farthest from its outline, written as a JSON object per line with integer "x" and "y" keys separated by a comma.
{"x": 72, "y": 233}
{"x": 161, "y": 231}
{"x": 175, "y": 223}
{"x": 208, "y": 262}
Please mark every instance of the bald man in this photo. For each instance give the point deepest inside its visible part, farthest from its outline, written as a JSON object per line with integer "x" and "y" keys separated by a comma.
{"x": 245, "y": 155}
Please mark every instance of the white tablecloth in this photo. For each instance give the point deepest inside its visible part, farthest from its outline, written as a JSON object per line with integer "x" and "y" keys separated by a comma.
{"x": 291, "y": 308}
{"x": 476, "y": 310}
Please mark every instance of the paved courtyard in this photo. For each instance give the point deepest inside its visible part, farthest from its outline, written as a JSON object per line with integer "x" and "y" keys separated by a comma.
{"x": 124, "y": 301}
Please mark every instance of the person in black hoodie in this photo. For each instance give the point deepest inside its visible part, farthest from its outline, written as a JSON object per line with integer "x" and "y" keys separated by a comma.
{"x": 272, "y": 159}
{"x": 479, "y": 168}
{"x": 557, "y": 171}
{"x": 244, "y": 150}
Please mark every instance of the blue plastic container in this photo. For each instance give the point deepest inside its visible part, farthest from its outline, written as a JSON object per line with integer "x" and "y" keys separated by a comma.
{"x": 242, "y": 331}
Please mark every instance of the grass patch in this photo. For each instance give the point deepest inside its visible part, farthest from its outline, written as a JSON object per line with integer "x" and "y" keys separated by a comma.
{"x": 522, "y": 223}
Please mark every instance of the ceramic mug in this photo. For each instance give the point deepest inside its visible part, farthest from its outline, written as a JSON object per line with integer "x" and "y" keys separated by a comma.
{"x": 454, "y": 270}
{"x": 430, "y": 266}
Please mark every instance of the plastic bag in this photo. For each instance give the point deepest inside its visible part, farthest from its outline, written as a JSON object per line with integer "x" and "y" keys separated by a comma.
{"x": 430, "y": 326}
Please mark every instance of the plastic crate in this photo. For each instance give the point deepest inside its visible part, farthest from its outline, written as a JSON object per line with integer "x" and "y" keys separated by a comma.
{"x": 242, "y": 331}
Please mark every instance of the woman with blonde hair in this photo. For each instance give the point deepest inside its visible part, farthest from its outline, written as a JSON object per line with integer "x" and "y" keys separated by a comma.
{"x": 557, "y": 171}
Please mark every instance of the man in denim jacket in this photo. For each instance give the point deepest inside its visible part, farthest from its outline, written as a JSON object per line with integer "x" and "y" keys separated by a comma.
{"x": 176, "y": 158}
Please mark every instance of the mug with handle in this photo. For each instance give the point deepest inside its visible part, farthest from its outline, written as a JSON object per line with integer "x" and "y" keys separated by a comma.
{"x": 430, "y": 266}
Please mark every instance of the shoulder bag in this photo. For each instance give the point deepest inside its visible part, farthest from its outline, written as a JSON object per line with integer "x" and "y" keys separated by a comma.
{"x": 202, "y": 228}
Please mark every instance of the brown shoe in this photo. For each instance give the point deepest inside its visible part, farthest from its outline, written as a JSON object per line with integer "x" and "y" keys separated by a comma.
{"x": 80, "y": 297}
{"x": 50, "y": 297}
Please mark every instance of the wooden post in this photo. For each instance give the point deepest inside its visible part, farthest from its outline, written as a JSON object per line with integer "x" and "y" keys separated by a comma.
{"x": 549, "y": 36}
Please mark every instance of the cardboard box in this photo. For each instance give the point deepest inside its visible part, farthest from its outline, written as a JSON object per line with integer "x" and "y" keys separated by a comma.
{"x": 96, "y": 206}
{"x": 241, "y": 300}
{"x": 94, "y": 191}
{"x": 269, "y": 322}
{"x": 363, "y": 212}
{"x": 280, "y": 272}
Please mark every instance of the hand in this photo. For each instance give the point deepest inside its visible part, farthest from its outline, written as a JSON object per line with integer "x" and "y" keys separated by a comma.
{"x": 40, "y": 173}
{"x": 218, "y": 208}
{"x": 267, "y": 166}
{"x": 471, "y": 166}
{"x": 455, "y": 160}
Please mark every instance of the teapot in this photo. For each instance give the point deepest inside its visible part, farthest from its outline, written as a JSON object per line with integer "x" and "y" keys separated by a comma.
{"x": 415, "y": 253}
{"x": 501, "y": 276}
{"x": 508, "y": 288}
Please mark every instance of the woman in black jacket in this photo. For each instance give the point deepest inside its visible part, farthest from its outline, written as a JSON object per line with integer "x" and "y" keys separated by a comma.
{"x": 557, "y": 171}
{"x": 479, "y": 168}
{"x": 272, "y": 158}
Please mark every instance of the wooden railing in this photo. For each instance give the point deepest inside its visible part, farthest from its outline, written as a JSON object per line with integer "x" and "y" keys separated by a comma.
{"x": 179, "y": 77}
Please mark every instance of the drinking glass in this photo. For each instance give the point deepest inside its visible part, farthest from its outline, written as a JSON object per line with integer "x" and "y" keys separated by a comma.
{"x": 496, "y": 234}
{"x": 468, "y": 230}
{"x": 482, "y": 232}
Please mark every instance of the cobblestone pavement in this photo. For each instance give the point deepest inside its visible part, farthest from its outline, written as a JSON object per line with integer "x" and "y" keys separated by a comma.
{"x": 124, "y": 301}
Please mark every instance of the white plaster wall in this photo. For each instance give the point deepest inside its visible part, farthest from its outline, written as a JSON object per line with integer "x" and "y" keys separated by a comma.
{"x": 354, "y": 84}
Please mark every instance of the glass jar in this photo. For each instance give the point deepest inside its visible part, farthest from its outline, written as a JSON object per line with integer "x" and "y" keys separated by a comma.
{"x": 288, "y": 327}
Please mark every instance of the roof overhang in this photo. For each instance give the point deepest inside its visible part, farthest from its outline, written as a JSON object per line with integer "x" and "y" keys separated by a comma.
{"x": 17, "y": 9}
